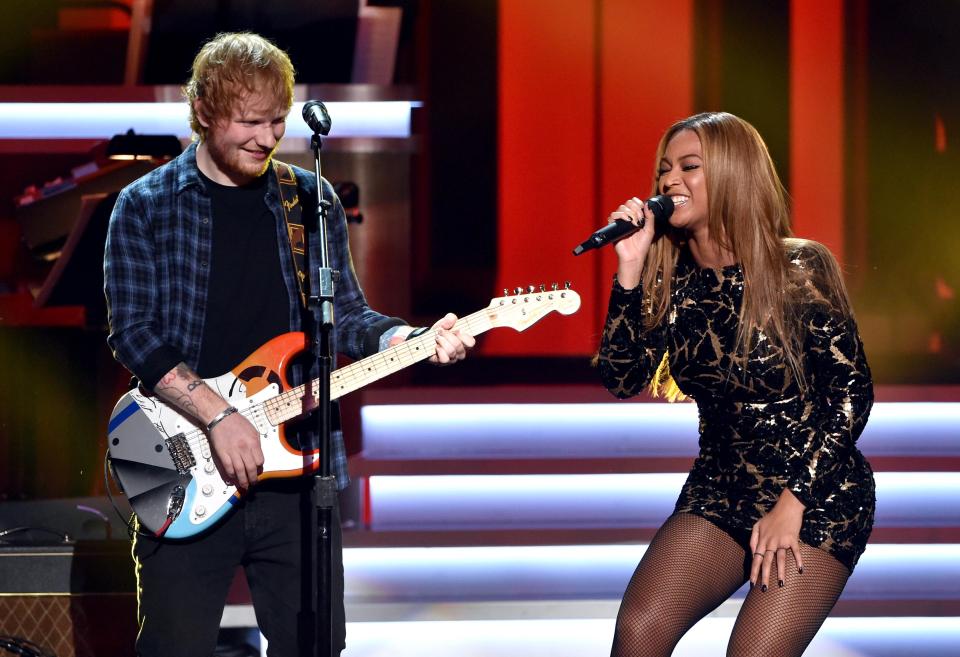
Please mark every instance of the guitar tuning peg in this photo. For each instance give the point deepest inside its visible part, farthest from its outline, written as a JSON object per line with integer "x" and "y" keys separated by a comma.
{"x": 517, "y": 290}
{"x": 530, "y": 289}
{"x": 506, "y": 292}
{"x": 566, "y": 285}
{"x": 554, "y": 287}
{"x": 543, "y": 288}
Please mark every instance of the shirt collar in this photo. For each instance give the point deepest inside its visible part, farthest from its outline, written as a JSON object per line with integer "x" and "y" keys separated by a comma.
{"x": 186, "y": 169}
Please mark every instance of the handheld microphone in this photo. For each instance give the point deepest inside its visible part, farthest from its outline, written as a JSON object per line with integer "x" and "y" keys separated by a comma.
{"x": 316, "y": 115}
{"x": 662, "y": 208}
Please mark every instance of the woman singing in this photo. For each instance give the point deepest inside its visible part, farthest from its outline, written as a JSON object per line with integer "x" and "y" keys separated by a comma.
{"x": 755, "y": 325}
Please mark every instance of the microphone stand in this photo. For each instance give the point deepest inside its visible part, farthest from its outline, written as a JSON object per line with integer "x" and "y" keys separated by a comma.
{"x": 324, "y": 491}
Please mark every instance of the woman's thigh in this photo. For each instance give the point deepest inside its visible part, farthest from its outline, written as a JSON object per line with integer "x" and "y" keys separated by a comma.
{"x": 784, "y": 619}
{"x": 690, "y": 567}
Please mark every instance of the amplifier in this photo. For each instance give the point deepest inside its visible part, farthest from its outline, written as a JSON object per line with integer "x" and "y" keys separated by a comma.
{"x": 74, "y": 600}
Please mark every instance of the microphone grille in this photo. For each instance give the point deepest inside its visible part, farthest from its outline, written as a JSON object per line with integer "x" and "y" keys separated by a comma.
{"x": 316, "y": 116}
{"x": 662, "y": 206}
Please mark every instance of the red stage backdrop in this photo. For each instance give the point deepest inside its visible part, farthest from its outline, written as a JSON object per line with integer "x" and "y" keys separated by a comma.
{"x": 586, "y": 87}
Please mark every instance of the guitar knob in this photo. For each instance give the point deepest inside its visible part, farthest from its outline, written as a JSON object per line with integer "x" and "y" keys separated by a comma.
{"x": 207, "y": 490}
{"x": 200, "y": 511}
{"x": 209, "y": 467}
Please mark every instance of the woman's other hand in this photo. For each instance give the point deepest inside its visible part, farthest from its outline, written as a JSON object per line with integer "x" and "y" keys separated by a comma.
{"x": 772, "y": 536}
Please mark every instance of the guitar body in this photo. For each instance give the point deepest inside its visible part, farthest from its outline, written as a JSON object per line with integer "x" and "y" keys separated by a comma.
{"x": 162, "y": 459}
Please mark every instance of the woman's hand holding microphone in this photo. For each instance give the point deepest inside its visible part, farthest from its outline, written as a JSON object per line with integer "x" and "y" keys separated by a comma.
{"x": 632, "y": 249}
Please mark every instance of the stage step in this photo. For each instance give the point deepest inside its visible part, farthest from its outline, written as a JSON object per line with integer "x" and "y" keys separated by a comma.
{"x": 897, "y": 580}
{"x": 839, "y": 637}
{"x": 587, "y": 581}
{"x": 609, "y": 437}
{"x": 909, "y": 505}
{"x": 462, "y": 474}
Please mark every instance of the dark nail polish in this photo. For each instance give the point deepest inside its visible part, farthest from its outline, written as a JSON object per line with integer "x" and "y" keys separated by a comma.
{"x": 800, "y": 569}
{"x": 763, "y": 589}
{"x": 780, "y": 582}
{"x": 752, "y": 585}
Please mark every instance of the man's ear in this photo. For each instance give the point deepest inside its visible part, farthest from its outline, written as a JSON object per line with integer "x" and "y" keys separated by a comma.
{"x": 200, "y": 111}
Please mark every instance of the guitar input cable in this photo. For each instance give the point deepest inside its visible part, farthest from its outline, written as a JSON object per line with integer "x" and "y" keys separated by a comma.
{"x": 128, "y": 522}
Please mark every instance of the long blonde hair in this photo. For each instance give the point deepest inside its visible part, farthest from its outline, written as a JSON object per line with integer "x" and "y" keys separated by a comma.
{"x": 748, "y": 215}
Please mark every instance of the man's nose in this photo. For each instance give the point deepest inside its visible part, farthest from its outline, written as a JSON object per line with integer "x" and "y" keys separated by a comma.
{"x": 267, "y": 136}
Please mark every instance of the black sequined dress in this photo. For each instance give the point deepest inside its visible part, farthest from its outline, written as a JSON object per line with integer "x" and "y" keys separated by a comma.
{"x": 759, "y": 432}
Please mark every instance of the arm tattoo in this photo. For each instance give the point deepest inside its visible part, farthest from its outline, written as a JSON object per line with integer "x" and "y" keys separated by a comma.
{"x": 183, "y": 401}
{"x": 180, "y": 399}
{"x": 186, "y": 373}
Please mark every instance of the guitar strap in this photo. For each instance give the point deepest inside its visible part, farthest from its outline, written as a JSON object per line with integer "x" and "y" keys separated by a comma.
{"x": 293, "y": 213}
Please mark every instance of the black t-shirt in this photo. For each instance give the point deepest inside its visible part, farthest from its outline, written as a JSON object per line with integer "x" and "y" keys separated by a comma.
{"x": 247, "y": 302}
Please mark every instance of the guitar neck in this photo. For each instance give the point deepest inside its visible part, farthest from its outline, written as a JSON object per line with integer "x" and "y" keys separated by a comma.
{"x": 290, "y": 404}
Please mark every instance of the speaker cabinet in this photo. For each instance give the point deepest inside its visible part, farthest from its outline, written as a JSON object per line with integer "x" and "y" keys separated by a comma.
{"x": 74, "y": 600}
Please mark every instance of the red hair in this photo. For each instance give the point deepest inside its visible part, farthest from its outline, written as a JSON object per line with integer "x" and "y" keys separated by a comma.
{"x": 229, "y": 67}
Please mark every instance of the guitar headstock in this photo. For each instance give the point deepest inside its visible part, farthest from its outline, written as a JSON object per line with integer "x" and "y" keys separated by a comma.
{"x": 526, "y": 307}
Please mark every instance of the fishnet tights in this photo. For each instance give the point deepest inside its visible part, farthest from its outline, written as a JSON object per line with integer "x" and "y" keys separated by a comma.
{"x": 691, "y": 566}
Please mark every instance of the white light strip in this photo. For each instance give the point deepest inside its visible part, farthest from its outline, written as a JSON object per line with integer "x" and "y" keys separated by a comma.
{"x": 586, "y": 572}
{"x": 527, "y": 430}
{"x": 482, "y": 431}
{"x": 448, "y": 502}
{"x": 103, "y": 120}
{"x": 839, "y": 637}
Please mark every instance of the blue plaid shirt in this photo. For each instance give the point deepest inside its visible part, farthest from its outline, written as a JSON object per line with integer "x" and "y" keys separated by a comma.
{"x": 156, "y": 274}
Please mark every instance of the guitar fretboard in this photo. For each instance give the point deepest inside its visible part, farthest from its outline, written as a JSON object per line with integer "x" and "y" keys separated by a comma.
{"x": 344, "y": 380}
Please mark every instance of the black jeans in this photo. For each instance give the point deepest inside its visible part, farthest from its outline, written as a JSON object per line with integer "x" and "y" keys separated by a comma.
{"x": 183, "y": 584}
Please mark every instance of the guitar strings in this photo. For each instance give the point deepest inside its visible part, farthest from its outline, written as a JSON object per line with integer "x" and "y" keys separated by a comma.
{"x": 406, "y": 353}
{"x": 289, "y": 404}
{"x": 197, "y": 436}
{"x": 354, "y": 376}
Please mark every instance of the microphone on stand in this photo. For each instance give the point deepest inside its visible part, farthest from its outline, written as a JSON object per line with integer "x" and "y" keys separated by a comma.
{"x": 316, "y": 115}
{"x": 662, "y": 208}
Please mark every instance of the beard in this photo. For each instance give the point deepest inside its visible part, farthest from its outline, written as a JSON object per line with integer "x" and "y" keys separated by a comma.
{"x": 235, "y": 162}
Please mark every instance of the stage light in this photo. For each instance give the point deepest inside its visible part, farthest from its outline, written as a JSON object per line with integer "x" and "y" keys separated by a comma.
{"x": 103, "y": 120}
{"x": 583, "y": 501}
{"x": 484, "y": 431}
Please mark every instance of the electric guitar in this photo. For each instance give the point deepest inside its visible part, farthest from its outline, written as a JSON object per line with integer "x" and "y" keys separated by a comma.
{"x": 163, "y": 462}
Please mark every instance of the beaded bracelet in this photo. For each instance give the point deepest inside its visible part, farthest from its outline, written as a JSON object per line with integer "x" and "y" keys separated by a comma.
{"x": 229, "y": 410}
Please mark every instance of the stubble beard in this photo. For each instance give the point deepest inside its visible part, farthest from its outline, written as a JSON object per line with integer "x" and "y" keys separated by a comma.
{"x": 232, "y": 162}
